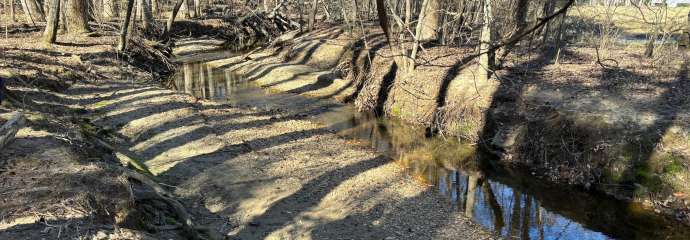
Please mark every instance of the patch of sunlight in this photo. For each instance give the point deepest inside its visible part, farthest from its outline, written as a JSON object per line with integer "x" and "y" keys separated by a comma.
{"x": 168, "y": 159}
{"x": 165, "y": 136}
{"x": 361, "y": 192}
{"x": 143, "y": 95}
{"x": 4, "y": 225}
{"x": 153, "y": 120}
{"x": 263, "y": 197}
{"x": 101, "y": 104}
{"x": 226, "y": 62}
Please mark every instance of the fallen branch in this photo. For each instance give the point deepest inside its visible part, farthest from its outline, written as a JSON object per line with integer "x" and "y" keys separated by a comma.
{"x": 124, "y": 156}
{"x": 10, "y": 128}
{"x": 187, "y": 224}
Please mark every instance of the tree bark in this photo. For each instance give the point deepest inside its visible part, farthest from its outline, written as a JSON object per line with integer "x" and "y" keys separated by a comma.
{"x": 125, "y": 26}
{"x": 312, "y": 14}
{"x": 154, "y": 8}
{"x": 146, "y": 14}
{"x": 520, "y": 17}
{"x": 33, "y": 11}
{"x": 63, "y": 16}
{"x": 77, "y": 17}
{"x": 50, "y": 33}
{"x": 429, "y": 19}
{"x": 485, "y": 44}
{"x": 171, "y": 19}
{"x": 197, "y": 8}
{"x": 13, "y": 16}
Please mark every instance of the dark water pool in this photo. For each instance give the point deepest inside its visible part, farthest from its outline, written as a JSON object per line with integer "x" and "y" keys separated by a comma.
{"x": 511, "y": 203}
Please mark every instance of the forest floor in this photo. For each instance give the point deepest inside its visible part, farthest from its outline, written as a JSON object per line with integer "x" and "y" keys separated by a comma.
{"x": 244, "y": 173}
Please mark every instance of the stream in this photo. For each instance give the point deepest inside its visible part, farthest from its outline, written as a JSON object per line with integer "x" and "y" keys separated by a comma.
{"x": 511, "y": 203}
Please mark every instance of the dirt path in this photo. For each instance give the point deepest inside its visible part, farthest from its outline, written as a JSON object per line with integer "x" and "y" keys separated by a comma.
{"x": 270, "y": 174}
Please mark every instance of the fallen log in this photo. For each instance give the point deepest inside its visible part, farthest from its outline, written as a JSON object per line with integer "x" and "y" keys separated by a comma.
{"x": 10, "y": 128}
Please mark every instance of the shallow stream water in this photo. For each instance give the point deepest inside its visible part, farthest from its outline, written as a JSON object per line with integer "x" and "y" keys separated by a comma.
{"x": 513, "y": 204}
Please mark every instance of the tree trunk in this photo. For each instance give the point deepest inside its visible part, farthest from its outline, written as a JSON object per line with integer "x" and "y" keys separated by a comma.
{"x": 32, "y": 11}
{"x": 191, "y": 8}
{"x": 13, "y": 16}
{"x": 63, "y": 16}
{"x": 649, "y": 48}
{"x": 185, "y": 9}
{"x": 548, "y": 9}
{"x": 77, "y": 17}
{"x": 485, "y": 44}
{"x": 154, "y": 9}
{"x": 125, "y": 26}
{"x": 146, "y": 14}
{"x": 110, "y": 10}
{"x": 197, "y": 8}
{"x": 171, "y": 19}
{"x": 312, "y": 14}
{"x": 520, "y": 16}
{"x": 50, "y": 33}
{"x": 559, "y": 37}
{"x": 429, "y": 19}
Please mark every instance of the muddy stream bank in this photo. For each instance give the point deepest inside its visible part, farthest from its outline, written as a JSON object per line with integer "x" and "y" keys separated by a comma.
{"x": 511, "y": 203}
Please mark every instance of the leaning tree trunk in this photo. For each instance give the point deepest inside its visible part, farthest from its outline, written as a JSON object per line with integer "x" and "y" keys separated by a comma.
{"x": 312, "y": 14}
{"x": 77, "y": 16}
{"x": 171, "y": 20}
{"x": 50, "y": 33}
{"x": 429, "y": 19}
{"x": 125, "y": 26}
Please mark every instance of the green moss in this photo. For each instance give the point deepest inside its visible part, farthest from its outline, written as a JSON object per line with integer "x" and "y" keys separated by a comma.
{"x": 675, "y": 165}
{"x": 396, "y": 111}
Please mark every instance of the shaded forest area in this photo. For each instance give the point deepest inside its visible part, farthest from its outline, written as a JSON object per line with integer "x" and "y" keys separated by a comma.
{"x": 588, "y": 93}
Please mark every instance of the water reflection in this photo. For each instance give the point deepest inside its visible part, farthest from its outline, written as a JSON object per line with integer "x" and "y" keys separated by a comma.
{"x": 512, "y": 204}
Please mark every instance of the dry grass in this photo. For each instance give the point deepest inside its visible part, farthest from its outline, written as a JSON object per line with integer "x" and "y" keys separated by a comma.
{"x": 631, "y": 20}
